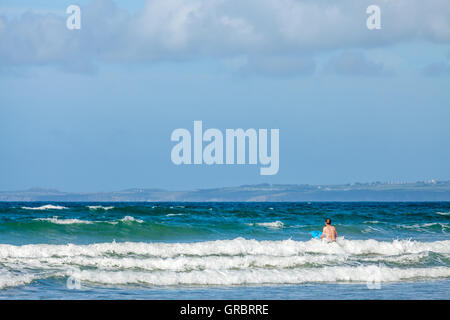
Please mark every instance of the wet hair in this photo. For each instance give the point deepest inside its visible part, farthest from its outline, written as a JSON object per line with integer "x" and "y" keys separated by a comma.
{"x": 328, "y": 221}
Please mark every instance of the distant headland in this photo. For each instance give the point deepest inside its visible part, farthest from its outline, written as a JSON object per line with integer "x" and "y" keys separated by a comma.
{"x": 375, "y": 191}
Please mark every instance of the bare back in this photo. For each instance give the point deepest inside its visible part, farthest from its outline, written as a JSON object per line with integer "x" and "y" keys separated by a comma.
{"x": 330, "y": 233}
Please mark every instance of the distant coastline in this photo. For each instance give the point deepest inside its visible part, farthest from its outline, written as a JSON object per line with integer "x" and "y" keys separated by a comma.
{"x": 375, "y": 191}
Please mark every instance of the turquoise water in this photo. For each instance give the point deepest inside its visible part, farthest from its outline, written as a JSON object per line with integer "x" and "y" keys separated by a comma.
{"x": 223, "y": 251}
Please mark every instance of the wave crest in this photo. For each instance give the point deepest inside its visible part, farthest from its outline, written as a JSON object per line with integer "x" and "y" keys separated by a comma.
{"x": 227, "y": 262}
{"x": 238, "y": 246}
{"x": 264, "y": 276}
{"x": 46, "y": 207}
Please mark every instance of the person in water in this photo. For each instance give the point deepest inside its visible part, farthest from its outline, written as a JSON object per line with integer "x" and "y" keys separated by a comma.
{"x": 329, "y": 231}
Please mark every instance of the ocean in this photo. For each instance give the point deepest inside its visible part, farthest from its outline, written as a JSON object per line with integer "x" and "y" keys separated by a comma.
{"x": 146, "y": 250}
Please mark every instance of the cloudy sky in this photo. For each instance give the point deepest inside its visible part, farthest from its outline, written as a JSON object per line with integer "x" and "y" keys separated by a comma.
{"x": 93, "y": 109}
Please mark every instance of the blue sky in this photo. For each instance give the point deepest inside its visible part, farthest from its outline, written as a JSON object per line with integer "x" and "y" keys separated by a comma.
{"x": 93, "y": 109}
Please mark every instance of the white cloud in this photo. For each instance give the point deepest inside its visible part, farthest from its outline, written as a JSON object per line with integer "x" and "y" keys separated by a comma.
{"x": 357, "y": 64}
{"x": 186, "y": 29}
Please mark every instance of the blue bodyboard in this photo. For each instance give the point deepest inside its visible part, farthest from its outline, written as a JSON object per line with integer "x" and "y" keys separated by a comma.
{"x": 316, "y": 234}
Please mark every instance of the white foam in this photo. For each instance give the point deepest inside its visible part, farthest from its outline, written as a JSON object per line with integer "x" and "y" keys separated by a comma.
{"x": 370, "y": 229}
{"x": 423, "y": 227}
{"x": 238, "y": 246}
{"x": 46, "y": 207}
{"x": 405, "y": 259}
{"x": 174, "y": 214}
{"x": 223, "y": 262}
{"x": 56, "y": 220}
{"x": 100, "y": 207}
{"x": 443, "y": 213}
{"x": 131, "y": 219}
{"x": 360, "y": 274}
{"x": 181, "y": 263}
{"x": 8, "y": 279}
{"x": 273, "y": 225}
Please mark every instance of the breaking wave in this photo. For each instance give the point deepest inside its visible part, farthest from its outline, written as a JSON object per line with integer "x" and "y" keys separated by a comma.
{"x": 274, "y": 225}
{"x": 227, "y": 262}
{"x": 45, "y": 207}
{"x": 238, "y": 246}
{"x": 263, "y": 276}
{"x": 131, "y": 219}
{"x": 100, "y": 207}
{"x": 57, "y": 220}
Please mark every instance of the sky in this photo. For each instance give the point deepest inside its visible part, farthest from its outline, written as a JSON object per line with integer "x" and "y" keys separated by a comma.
{"x": 93, "y": 109}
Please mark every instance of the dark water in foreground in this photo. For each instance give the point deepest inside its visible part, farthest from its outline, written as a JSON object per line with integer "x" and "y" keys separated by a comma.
{"x": 223, "y": 251}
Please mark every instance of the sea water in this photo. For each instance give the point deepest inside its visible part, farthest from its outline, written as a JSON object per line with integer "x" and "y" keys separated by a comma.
{"x": 53, "y": 250}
